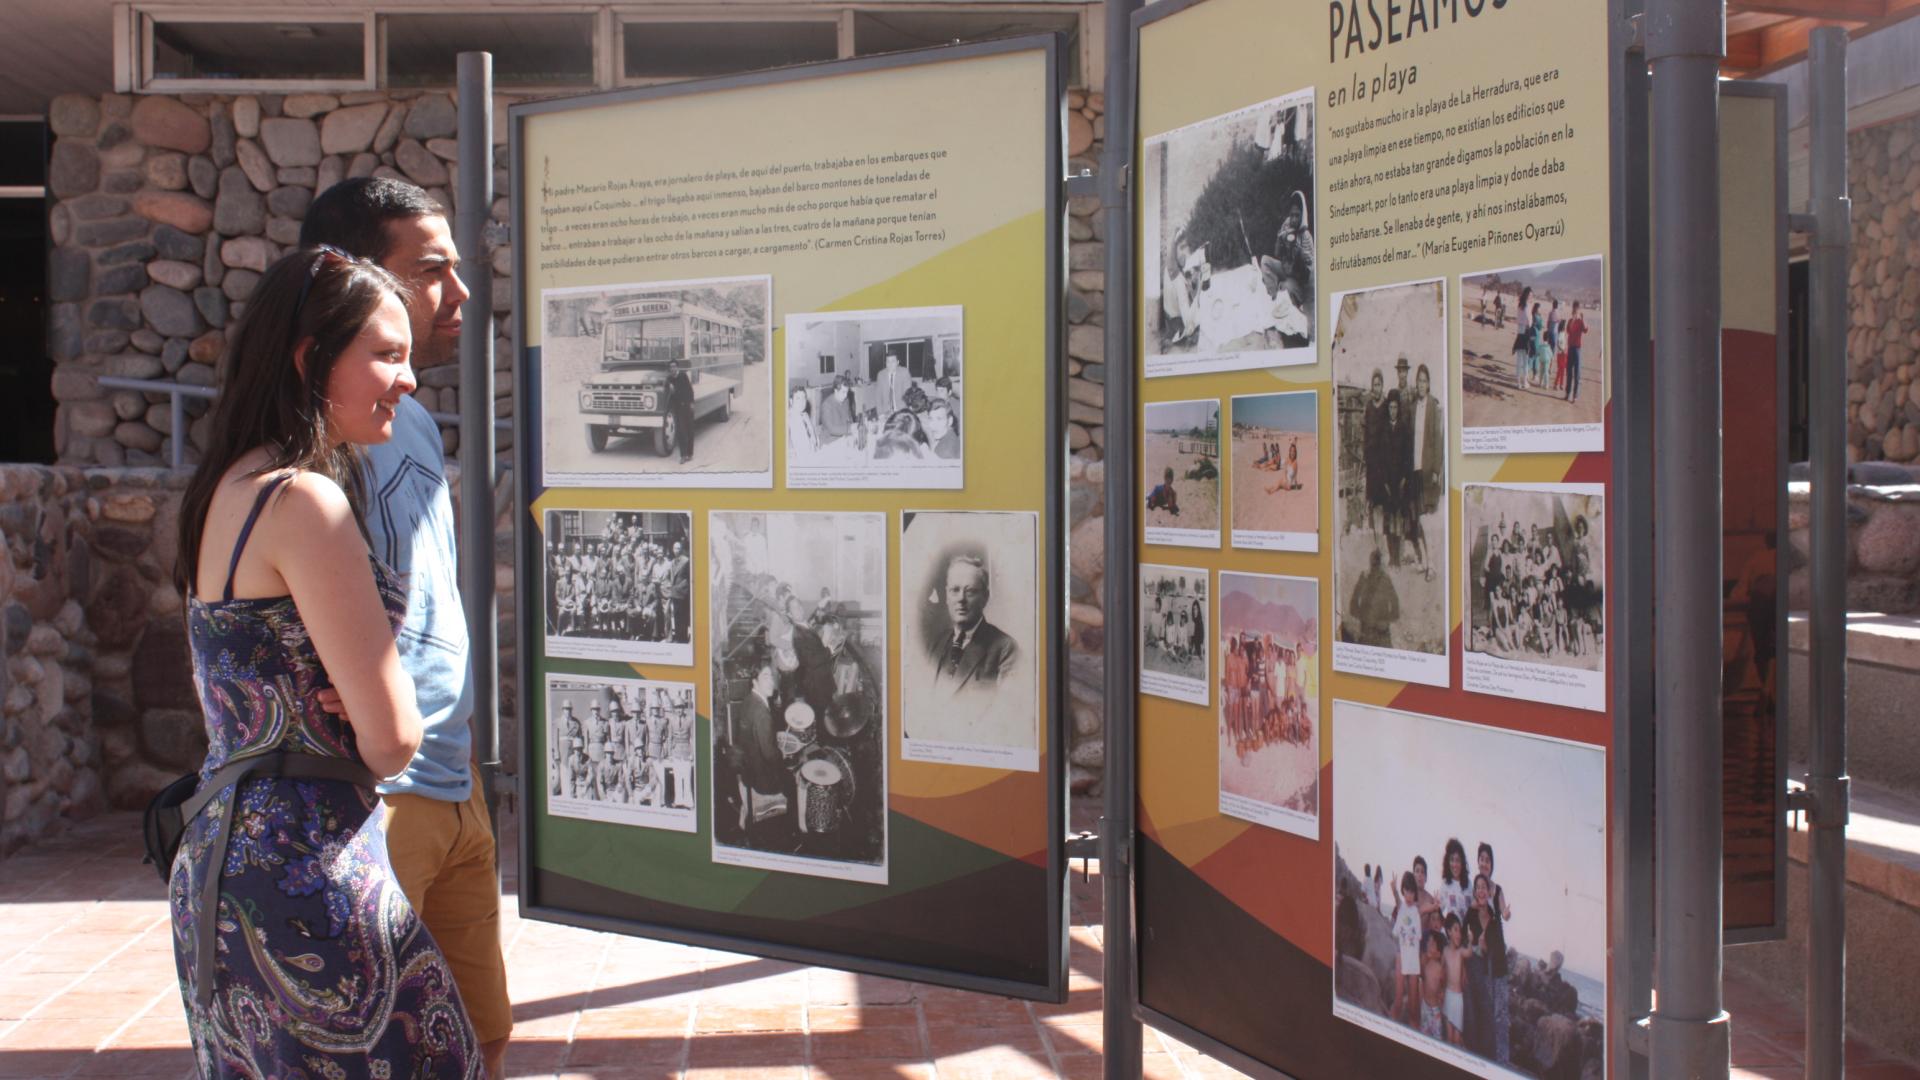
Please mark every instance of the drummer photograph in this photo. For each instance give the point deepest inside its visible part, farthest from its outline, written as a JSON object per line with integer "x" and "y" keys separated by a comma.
{"x": 873, "y": 399}
{"x": 799, "y": 662}
{"x": 1228, "y": 222}
{"x": 968, "y": 663}
{"x": 621, "y": 751}
{"x": 619, "y": 584}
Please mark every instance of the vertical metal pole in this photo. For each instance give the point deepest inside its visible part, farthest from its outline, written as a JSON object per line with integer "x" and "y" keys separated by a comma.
{"x": 1827, "y": 785}
{"x": 1122, "y": 1031}
{"x": 1686, "y": 40}
{"x": 475, "y": 206}
{"x": 177, "y": 416}
{"x": 1631, "y": 583}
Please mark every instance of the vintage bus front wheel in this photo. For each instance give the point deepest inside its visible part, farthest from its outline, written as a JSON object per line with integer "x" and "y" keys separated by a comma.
{"x": 596, "y": 437}
{"x": 666, "y": 435}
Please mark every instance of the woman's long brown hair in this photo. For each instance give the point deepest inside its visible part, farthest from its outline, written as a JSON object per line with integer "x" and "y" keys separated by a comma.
{"x": 317, "y": 294}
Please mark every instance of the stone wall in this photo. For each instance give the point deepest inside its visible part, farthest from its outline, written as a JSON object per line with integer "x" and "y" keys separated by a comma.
{"x": 1883, "y": 539}
{"x": 50, "y": 756}
{"x": 1086, "y": 439}
{"x": 1883, "y": 341}
{"x": 164, "y": 212}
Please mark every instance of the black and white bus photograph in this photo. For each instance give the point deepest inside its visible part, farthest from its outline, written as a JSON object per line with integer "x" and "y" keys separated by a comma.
{"x": 658, "y": 384}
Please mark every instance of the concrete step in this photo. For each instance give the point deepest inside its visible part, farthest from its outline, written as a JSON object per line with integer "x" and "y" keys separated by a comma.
{"x": 1883, "y": 698}
{"x": 1883, "y": 920}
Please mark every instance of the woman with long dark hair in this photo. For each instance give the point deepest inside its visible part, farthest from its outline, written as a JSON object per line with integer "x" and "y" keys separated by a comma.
{"x": 296, "y": 950}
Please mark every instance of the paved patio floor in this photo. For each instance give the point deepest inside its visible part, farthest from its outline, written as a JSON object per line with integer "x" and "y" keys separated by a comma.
{"x": 87, "y": 990}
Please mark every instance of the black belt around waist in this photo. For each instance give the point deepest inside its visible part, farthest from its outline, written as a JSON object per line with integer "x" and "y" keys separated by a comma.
{"x": 236, "y": 773}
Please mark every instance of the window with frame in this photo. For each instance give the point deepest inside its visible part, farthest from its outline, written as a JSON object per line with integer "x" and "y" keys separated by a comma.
{"x": 543, "y": 49}
{"x": 656, "y": 49}
{"x": 292, "y": 51}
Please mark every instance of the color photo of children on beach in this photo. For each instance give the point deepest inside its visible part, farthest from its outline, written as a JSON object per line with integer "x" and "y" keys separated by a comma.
{"x": 1495, "y": 966}
{"x": 1270, "y": 701}
{"x": 1390, "y": 508}
{"x": 1276, "y": 471}
{"x": 1180, "y": 462}
{"x": 1533, "y": 358}
{"x": 1173, "y": 633}
{"x": 1228, "y": 218}
{"x": 1535, "y": 608}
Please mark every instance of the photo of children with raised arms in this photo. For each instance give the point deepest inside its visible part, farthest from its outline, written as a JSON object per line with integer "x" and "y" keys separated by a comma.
{"x": 1470, "y": 892}
{"x": 1275, "y": 464}
{"x": 1535, "y": 605}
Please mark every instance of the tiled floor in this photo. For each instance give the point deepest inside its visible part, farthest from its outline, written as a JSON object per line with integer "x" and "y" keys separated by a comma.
{"x": 87, "y": 990}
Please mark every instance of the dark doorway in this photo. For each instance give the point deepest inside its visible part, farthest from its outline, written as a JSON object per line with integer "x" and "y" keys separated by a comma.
{"x": 26, "y": 371}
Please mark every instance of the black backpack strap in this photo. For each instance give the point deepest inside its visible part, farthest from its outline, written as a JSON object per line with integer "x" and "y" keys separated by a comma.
{"x": 236, "y": 773}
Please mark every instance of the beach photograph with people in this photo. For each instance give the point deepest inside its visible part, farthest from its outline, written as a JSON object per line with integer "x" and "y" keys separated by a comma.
{"x": 1535, "y": 609}
{"x": 1470, "y": 892}
{"x": 799, "y": 693}
{"x": 970, "y": 648}
{"x": 1533, "y": 358}
{"x": 873, "y": 399}
{"x": 619, "y": 585}
{"x": 1390, "y": 506}
{"x": 1174, "y": 615}
{"x": 1227, "y": 221}
{"x": 622, "y": 751}
{"x": 1180, "y": 473}
{"x": 1275, "y": 462}
{"x": 658, "y": 384}
{"x": 1269, "y": 730}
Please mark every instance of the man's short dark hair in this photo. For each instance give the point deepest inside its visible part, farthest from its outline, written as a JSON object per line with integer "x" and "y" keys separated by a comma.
{"x": 353, "y": 214}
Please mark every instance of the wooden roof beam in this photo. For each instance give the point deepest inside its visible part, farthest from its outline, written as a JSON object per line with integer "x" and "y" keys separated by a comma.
{"x": 1838, "y": 10}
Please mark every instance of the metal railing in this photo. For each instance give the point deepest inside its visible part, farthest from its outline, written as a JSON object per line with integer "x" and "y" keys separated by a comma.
{"x": 178, "y": 393}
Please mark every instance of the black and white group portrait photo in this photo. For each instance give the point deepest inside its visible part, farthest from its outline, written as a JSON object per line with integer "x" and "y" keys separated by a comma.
{"x": 1174, "y": 616}
{"x": 799, "y": 668}
{"x": 1470, "y": 892}
{"x": 970, "y": 648}
{"x": 1180, "y": 472}
{"x": 1227, "y": 221}
{"x": 1390, "y": 507}
{"x": 619, "y": 585}
{"x": 873, "y": 399}
{"x": 1533, "y": 358}
{"x": 1535, "y": 609}
{"x": 658, "y": 384}
{"x": 1269, "y": 730}
{"x": 622, "y": 751}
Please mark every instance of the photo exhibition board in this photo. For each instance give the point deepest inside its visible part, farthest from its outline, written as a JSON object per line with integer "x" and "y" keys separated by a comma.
{"x": 789, "y": 361}
{"x": 1355, "y": 203}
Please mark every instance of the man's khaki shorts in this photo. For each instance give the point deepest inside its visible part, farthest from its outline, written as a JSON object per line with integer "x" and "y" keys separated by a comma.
{"x": 443, "y": 856}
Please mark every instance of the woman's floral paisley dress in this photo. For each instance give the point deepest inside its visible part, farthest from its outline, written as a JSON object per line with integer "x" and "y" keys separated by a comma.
{"x": 322, "y": 969}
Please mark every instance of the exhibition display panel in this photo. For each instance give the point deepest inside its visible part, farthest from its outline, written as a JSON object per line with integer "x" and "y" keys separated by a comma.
{"x": 1376, "y": 347}
{"x": 790, "y": 518}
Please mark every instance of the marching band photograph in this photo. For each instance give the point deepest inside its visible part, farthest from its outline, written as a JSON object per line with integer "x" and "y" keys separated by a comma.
{"x": 622, "y": 751}
{"x": 619, "y": 585}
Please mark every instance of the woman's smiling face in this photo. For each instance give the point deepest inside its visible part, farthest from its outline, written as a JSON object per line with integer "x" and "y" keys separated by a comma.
{"x": 370, "y": 377}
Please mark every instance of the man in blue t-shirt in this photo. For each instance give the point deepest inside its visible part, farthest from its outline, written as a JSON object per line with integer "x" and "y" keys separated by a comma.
{"x": 438, "y": 836}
